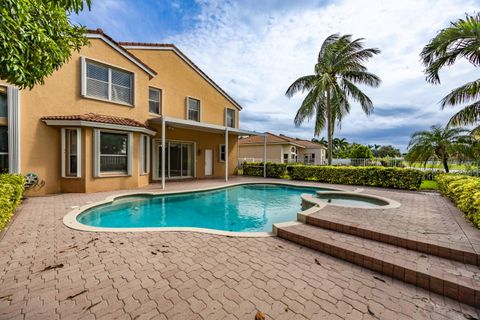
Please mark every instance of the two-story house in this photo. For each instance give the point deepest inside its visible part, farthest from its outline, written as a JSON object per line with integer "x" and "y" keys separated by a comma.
{"x": 117, "y": 116}
{"x": 281, "y": 149}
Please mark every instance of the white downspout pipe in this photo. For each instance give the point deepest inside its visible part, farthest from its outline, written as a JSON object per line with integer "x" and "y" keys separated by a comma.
{"x": 163, "y": 153}
{"x": 226, "y": 154}
{"x": 265, "y": 156}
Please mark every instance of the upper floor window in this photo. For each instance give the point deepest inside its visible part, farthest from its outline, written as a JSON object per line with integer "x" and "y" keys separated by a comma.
{"x": 230, "y": 118}
{"x": 193, "y": 109}
{"x": 3, "y": 102}
{"x": 107, "y": 83}
{"x": 154, "y": 100}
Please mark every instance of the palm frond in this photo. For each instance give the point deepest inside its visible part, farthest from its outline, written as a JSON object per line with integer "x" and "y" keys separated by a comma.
{"x": 463, "y": 94}
{"x": 460, "y": 40}
{"x": 302, "y": 84}
{"x": 357, "y": 95}
{"x": 467, "y": 116}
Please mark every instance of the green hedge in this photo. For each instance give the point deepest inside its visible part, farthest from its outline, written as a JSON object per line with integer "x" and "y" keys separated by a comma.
{"x": 11, "y": 191}
{"x": 367, "y": 176}
{"x": 397, "y": 178}
{"x": 274, "y": 170}
{"x": 464, "y": 191}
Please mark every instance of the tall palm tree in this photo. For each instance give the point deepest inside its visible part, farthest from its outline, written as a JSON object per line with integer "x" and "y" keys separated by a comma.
{"x": 339, "y": 68}
{"x": 438, "y": 143}
{"x": 460, "y": 40}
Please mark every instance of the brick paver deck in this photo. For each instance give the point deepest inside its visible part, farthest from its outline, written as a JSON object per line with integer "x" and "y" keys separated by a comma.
{"x": 48, "y": 271}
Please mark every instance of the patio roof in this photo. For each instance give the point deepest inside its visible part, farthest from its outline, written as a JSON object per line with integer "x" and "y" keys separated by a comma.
{"x": 202, "y": 126}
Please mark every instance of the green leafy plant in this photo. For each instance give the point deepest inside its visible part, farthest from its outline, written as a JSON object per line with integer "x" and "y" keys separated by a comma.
{"x": 274, "y": 170}
{"x": 464, "y": 191}
{"x": 11, "y": 191}
{"x": 37, "y": 38}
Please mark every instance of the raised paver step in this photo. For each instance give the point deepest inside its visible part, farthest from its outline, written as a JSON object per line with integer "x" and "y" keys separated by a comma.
{"x": 402, "y": 239}
{"x": 452, "y": 279}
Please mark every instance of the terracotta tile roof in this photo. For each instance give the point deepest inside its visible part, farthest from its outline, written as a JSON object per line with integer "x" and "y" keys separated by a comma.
{"x": 183, "y": 56}
{"x": 279, "y": 139}
{"x": 100, "y": 31}
{"x": 100, "y": 118}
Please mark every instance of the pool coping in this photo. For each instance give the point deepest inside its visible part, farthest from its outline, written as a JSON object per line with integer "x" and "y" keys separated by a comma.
{"x": 70, "y": 219}
{"x": 391, "y": 204}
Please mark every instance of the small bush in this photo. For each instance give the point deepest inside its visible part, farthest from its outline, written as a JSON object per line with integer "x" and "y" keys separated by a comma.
{"x": 274, "y": 170}
{"x": 464, "y": 191}
{"x": 11, "y": 191}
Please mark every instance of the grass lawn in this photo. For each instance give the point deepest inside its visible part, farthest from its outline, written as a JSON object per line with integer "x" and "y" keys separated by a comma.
{"x": 428, "y": 185}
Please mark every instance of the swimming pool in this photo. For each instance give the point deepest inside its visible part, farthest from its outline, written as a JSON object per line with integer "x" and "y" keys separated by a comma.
{"x": 243, "y": 208}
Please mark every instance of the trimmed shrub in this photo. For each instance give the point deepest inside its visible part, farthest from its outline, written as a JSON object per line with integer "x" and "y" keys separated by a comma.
{"x": 274, "y": 170}
{"x": 367, "y": 176}
{"x": 464, "y": 191}
{"x": 11, "y": 191}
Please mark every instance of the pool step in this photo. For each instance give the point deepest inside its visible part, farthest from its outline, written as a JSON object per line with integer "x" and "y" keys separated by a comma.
{"x": 452, "y": 279}
{"x": 445, "y": 250}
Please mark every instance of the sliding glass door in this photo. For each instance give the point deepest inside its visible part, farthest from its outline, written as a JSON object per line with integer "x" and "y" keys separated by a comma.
{"x": 179, "y": 160}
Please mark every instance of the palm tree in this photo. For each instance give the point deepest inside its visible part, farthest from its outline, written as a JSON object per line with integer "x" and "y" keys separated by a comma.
{"x": 438, "y": 143}
{"x": 460, "y": 40}
{"x": 339, "y": 68}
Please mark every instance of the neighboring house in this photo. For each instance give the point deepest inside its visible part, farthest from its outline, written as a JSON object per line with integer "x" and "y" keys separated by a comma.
{"x": 100, "y": 121}
{"x": 281, "y": 149}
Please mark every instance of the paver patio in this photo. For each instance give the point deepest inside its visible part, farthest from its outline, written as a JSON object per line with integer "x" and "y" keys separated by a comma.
{"x": 48, "y": 271}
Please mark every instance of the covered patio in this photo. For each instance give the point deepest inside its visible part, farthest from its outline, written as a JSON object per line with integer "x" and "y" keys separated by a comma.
{"x": 170, "y": 122}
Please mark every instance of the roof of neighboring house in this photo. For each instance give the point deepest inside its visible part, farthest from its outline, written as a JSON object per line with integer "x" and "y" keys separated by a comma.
{"x": 117, "y": 46}
{"x": 280, "y": 139}
{"x": 100, "y": 118}
{"x": 169, "y": 46}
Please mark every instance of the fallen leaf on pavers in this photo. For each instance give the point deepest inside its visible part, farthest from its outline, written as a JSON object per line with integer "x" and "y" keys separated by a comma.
{"x": 317, "y": 262}
{"x": 281, "y": 247}
{"x": 154, "y": 253}
{"x": 260, "y": 315}
{"x": 56, "y": 266}
{"x": 92, "y": 305}
{"x": 379, "y": 279}
{"x": 92, "y": 240}
{"x": 76, "y": 295}
{"x": 370, "y": 311}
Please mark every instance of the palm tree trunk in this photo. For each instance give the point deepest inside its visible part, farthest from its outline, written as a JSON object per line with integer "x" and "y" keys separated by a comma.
{"x": 445, "y": 164}
{"x": 329, "y": 128}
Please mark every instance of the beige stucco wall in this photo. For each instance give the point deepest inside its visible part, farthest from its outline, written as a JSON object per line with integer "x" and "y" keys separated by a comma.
{"x": 319, "y": 155}
{"x": 274, "y": 152}
{"x": 60, "y": 95}
{"x": 178, "y": 80}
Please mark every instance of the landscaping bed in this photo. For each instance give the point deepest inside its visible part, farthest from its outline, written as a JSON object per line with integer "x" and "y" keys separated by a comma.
{"x": 464, "y": 191}
{"x": 11, "y": 191}
{"x": 374, "y": 176}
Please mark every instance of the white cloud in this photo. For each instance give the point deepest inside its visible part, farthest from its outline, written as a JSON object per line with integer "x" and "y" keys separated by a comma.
{"x": 256, "y": 52}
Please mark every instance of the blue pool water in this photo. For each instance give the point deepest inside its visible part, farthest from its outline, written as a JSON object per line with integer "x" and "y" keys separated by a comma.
{"x": 241, "y": 208}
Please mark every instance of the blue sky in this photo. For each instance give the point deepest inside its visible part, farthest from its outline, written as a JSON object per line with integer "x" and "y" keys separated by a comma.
{"x": 255, "y": 48}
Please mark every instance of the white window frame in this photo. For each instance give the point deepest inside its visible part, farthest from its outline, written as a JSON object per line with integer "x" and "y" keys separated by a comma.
{"x": 144, "y": 152}
{"x": 187, "y": 108}
{"x": 220, "y": 146}
{"x": 234, "y": 118}
{"x": 96, "y": 154}
{"x": 64, "y": 153}
{"x": 160, "y": 106}
{"x": 83, "y": 89}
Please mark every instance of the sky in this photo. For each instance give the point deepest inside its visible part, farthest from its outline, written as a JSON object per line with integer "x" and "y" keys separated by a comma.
{"x": 254, "y": 49}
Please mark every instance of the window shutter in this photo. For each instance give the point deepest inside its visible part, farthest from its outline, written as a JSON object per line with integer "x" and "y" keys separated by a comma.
{"x": 130, "y": 148}
{"x": 83, "y": 79}
{"x": 13, "y": 104}
{"x": 96, "y": 152}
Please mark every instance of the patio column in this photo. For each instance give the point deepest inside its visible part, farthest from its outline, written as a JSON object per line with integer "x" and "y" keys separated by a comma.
{"x": 163, "y": 153}
{"x": 226, "y": 154}
{"x": 265, "y": 156}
